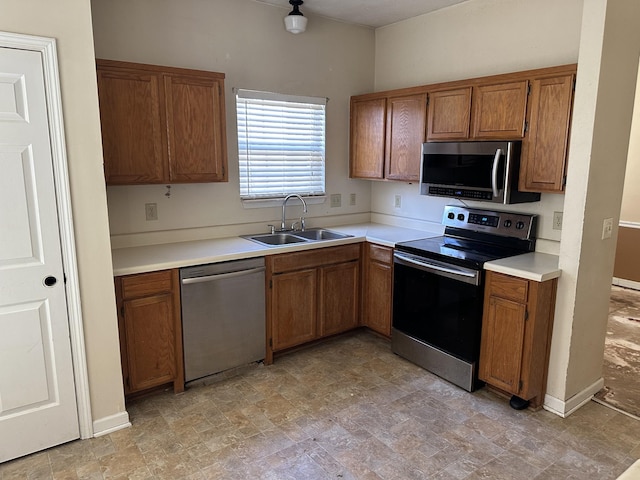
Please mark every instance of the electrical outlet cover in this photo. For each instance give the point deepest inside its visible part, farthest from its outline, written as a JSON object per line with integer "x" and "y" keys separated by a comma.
{"x": 336, "y": 200}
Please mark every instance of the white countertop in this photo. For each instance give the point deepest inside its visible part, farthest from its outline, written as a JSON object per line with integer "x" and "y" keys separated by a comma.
{"x": 532, "y": 266}
{"x": 151, "y": 258}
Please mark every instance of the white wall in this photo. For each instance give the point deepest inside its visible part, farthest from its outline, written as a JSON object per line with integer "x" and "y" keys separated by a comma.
{"x": 331, "y": 59}
{"x": 474, "y": 39}
{"x": 69, "y": 22}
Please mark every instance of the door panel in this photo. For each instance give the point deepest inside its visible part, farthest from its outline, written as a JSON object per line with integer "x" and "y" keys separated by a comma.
{"x": 36, "y": 373}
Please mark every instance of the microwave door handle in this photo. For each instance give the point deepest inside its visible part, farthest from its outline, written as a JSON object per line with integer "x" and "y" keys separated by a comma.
{"x": 494, "y": 172}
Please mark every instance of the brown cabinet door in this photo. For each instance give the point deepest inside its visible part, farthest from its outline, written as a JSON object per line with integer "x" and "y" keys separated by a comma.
{"x": 133, "y": 134}
{"x": 502, "y": 344}
{"x": 367, "y": 139}
{"x": 377, "y": 285}
{"x": 149, "y": 326}
{"x": 544, "y": 149}
{"x": 294, "y": 308}
{"x": 378, "y": 288}
{"x": 449, "y": 114}
{"x": 499, "y": 110}
{"x": 339, "y": 298}
{"x": 406, "y": 122}
{"x": 196, "y": 128}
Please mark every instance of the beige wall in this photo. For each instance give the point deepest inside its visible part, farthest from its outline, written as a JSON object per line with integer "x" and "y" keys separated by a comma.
{"x": 69, "y": 22}
{"x": 331, "y": 59}
{"x": 473, "y": 39}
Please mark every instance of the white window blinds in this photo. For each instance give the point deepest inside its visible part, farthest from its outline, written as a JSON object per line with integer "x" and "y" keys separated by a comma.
{"x": 281, "y": 144}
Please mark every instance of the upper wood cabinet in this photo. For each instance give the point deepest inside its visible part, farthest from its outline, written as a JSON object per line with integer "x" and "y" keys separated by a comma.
{"x": 367, "y": 138}
{"x": 499, "y": 110}
{"x": 449, "y": 114}
{"x": 386, "y": 137}
{"x": 544, "y": 149}
{"x": 480, "y": 112}
{"x": 161, "y": 124}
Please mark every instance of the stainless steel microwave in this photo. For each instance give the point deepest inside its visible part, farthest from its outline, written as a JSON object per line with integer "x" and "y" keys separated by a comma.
{"x": 480, "y": 171}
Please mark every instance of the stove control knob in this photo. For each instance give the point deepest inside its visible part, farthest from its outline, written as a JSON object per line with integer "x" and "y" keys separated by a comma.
{"x": 451, "y": 215}
{"x": 519, "y": 224}
{"x": 461, "y": 217}
{"x": 507, "y": 223}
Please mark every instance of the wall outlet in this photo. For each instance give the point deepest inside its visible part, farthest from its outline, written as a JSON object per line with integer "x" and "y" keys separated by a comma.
{"x": 336, "y": 200}
{"x": 397, "y": 201}
{"x": 352, "y": 199}
{"x": 557, "y": 220}
{"x": 151, "y": 211}
{"x": 607, "y": 228}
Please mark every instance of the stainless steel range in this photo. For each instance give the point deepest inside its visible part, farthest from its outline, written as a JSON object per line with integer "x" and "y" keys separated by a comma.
{"x": 439, "y": 285}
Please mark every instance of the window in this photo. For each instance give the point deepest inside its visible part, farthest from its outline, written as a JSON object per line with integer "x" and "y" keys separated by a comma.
{"x": 281, "y": 144}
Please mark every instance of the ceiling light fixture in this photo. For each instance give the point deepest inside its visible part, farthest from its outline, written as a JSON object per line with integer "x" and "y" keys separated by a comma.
{"x": 295, "y": 22}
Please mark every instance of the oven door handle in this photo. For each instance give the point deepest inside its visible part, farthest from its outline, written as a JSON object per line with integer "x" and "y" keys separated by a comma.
{"x": 494, "y": 172}
{"x": 462, "y": 275}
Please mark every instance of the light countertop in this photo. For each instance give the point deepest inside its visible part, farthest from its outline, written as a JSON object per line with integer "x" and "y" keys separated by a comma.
{"x": 532, "y": 266}
{"x": 151, "y": 258}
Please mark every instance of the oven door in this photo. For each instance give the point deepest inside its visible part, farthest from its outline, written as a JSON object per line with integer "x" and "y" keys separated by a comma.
{"x": 438, "y": 304}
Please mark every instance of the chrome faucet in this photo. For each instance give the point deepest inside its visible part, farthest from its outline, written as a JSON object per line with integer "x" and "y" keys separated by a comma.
{"x": 283, "y": 225}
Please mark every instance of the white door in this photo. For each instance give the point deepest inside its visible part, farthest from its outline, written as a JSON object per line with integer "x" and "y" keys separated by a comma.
{"x": 37, "y": 394}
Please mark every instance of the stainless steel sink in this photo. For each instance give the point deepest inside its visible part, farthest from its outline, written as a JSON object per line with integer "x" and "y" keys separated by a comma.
{"x": 275, "y": 238}
{"x": 321, "y": 234}
{"x": 285, "y": 238}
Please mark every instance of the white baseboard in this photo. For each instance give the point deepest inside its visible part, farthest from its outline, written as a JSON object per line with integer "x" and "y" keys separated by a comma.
{"x": 564, "y": 408}
{"x": 621, "y": 282}
{"x": 110, "y": 424}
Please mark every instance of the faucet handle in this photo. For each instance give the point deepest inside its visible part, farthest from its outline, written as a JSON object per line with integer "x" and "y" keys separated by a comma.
{"x": 302, "y": 224}
{"x": 294, "y": 225}
{"x": 272, "y": 228}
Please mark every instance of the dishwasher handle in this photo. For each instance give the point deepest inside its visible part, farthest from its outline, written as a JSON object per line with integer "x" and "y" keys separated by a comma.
{"x": 221, "y": 276}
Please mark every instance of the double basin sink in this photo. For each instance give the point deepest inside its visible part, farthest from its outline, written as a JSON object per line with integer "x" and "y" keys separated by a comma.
{"x": 286, "y": 238}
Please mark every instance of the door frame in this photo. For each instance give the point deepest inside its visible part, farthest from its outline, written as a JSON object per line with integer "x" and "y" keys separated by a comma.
{"x": 47, "y": 48}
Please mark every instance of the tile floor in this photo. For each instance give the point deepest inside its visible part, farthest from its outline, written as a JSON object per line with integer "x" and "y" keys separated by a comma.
{"x": 344, "y": 409}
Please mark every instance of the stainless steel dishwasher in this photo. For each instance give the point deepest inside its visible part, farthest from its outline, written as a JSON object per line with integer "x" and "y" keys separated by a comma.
{"x": 223, "y": 316}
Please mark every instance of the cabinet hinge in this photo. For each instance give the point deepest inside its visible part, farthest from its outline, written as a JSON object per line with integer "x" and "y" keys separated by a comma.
{"x": 270, "y": 283}
{"x": 526, "y": 126}
{"x": 519, "y": 385}
{"x": 573, "y": 87}
{"x": 526, "y": 314}
{"x": 122, "y": 312}
{"x": 564, "y": 181}
{"x": 271, "y": 342}
{"x": 427, "y": 100}
{"x": 528, "y": 89}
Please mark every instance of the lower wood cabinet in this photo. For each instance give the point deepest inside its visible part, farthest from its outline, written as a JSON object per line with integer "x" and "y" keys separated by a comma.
{"x": 516, "y": 335}
{"x": 377, "y": 287}
{"x": 310, "y": 295}
{"x": 150, "y": 330}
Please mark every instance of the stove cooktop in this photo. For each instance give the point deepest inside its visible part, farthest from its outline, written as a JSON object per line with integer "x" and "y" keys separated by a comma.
{"x": 473, "y": 237}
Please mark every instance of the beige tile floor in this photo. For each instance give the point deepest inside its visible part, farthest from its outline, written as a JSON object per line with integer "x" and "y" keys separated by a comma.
{"x": 344, "y": 409}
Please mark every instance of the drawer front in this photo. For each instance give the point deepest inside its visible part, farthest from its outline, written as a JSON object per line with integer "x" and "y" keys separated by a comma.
{"x": 506, "y": 286}
{"x": 381, "y": 254}
{"x": 144, "y": 284}
{"x": 313, "y": 258}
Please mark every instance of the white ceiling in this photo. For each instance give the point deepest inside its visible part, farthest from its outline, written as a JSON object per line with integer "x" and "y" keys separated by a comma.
{"x": 372, "y": 13}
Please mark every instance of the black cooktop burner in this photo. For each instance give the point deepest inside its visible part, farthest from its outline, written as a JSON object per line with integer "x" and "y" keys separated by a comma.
{"x": 459, "y": 251}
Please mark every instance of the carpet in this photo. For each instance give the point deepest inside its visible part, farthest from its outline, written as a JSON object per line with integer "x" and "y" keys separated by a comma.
{"x": 621, "y": 366}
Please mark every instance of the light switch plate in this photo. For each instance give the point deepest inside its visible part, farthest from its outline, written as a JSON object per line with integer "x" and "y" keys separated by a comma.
{"x": 352, "y": 199}
{"x": 397, "y": 201}
{"x": 607, "y": 228}
{"x": 151, "y": 211}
